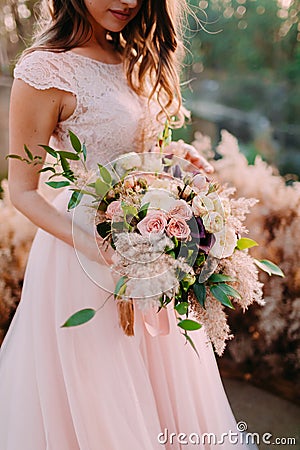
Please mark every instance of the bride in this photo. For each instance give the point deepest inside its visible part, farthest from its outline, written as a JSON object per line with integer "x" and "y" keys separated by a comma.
{"x": 107, "y": 70}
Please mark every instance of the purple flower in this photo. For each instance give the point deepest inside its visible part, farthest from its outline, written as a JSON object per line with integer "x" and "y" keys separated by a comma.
{"x": 207, "y": 242}
{"x": 197, "y": 228}
{"x": 176, "y": 171}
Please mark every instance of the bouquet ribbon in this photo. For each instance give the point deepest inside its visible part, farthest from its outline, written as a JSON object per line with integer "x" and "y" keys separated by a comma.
{"x": 157, "y": 324}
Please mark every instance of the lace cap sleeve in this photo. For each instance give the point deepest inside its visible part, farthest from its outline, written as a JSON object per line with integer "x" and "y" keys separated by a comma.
{"x": 45, "y": 70}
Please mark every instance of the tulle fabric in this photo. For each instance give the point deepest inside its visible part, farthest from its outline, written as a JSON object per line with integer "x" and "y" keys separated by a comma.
{"x": 92, "y": 387}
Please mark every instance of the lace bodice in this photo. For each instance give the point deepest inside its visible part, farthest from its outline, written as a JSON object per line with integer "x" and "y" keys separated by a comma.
{"x": 109, "y": 116}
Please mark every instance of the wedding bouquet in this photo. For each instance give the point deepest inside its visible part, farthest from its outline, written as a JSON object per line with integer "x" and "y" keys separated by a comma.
{"x": 177, "y": 236}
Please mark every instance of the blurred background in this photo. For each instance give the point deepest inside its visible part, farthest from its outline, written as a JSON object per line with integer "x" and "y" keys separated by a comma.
{"x": 241, "y": 74}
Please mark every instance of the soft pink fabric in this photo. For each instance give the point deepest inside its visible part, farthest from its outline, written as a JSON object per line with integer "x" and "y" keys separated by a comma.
{"x": 92, "y": 387}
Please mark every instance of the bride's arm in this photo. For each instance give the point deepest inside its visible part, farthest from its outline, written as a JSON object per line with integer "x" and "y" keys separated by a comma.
{"x": 33, "y": 117}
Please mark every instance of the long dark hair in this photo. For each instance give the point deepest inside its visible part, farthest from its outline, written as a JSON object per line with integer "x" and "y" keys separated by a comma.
{"x": 150, "y": 45}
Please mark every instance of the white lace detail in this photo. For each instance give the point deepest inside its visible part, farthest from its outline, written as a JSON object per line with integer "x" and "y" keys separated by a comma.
{"x": 109, "y": 117}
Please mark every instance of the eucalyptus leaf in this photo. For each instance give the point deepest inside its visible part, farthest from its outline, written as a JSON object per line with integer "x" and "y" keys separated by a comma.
{"x": 189, "y": 325}
{"x": 75, "y": 199}
{"x": 106, "y": 176}
{"x": 200, "y": 292}
{"x": 49, "y": 150}
{"x": 84, "y": 151}
{"x": 120, "y": 286}
{"x": 220, "y": 295}
{"x": 46, "y": 169}
{"x": 69, "y": 155}
{"x": 15, "y": 157}
{"x": 57, "y": 184}
{"x": 28, "y": 153}
{"x": 129, "y": 210}
{"x": 64, "y": 164}
{"x": 101, "y": 187}
{"x": 76, "y": 144}
{"x": 269, "y": 267}
{"x": 79, "y": 318}
{"x": 191, "y": 342}
{"x": 244, "y": 243}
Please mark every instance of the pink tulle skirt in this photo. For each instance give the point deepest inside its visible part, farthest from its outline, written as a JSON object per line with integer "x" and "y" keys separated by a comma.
{"x": 91, "y": 387}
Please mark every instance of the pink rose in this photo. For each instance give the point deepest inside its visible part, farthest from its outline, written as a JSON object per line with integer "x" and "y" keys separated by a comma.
{"x": 154, "y": 222}
{"x": 181, "y": 210}
{"x": 114, "y": 210}
{"x": 179, "y": 228}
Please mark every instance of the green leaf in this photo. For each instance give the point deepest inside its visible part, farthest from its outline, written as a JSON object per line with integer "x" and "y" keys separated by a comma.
{"x": 182, "y": 308}
{"x": 57, "y": 184}
{"x": 269, "y": 267}
{"x": 219, "y": 278}
{"x": 200, "y": 292}
{"x": 143, "y": 211}
{"x": 187, "y": 281}
{"x": 189, "y": 339}
{"x": 49, "y": 150}
{"x": 129, "y": 210}
{"x": 229, "y": 290}
{"x": 79, "y": 318}
{"x": 101, "y": 187}
{"x": 106, "y": 176}
{"x": 220, "y": 295}
{"x": 28, "y": 152}
{"x": 120, "y": 287}
{"x": 45, "y": 169}
{"x": 14, "y": 157}
{"x": 75, "y": 199}
{"x": 64, "y": 164}
{"x": 244, "y": 243}
{"x": 76, "y": 144}
{"x": 84, "y": 151}
{"x": 103, "y": 229}
{"x": 189, "y": 325}
{"x": 69, "y": 155}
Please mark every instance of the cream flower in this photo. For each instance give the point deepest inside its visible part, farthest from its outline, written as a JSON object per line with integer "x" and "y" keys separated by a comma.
{"x": 127, "y": 162}
{"x": 202, "y": 205}
{"x": 152, "y": 162}
{"x": 159, "y": 199}
{"x": 225, "y": 244}
{"x": 213, "y": 222}
{"x": 199, "y": 184}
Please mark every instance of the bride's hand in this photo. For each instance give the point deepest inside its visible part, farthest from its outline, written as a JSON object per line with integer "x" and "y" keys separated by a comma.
{"x": 99, "y": 252}
{"x": 189, "y": 152}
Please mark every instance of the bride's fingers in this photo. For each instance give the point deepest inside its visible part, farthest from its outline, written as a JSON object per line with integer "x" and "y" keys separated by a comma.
{"x": 201, "y": 163}
{"x": 105, "y": 250}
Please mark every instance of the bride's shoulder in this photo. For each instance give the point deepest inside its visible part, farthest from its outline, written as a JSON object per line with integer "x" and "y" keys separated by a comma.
{"x": 44, "y": 69}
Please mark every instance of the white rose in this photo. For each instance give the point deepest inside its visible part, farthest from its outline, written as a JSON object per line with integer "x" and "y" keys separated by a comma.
{"x": 225, "y": 244}
{"x": 159, "y": 199}
{"x": 213, "y": 222}
{"x": 202, "y": 205}
{"x": 152, "y": 162}
{"x": 127, "y": 162}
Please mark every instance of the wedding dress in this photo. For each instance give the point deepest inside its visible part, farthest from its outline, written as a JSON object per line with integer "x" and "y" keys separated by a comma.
{"x": 91, "y": 387}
